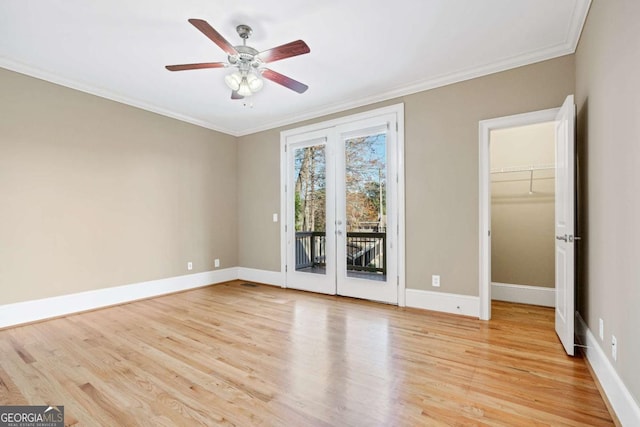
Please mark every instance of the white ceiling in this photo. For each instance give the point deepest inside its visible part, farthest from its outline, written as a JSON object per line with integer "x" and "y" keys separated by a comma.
{"x": 362, "y": 51}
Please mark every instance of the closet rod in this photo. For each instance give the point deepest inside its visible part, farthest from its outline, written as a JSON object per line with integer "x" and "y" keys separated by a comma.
{"x": 529, "y": 169}
{"x": 524, "y": 168}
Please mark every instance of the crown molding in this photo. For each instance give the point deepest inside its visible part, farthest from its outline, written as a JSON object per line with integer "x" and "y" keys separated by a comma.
{"x": 38, "y": 73}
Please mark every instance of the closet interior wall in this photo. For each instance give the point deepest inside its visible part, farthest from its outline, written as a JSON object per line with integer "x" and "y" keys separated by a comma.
{"x": 523, "y": 205}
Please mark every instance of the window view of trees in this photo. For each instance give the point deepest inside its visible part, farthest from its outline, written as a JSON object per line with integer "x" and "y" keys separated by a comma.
{"x": 365, "y": 179}
{"x": 310, "y": 188}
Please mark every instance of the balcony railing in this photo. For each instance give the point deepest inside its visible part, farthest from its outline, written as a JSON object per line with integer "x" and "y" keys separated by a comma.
{"x": 310, "y": 249}
{"x": 366, "y": 251}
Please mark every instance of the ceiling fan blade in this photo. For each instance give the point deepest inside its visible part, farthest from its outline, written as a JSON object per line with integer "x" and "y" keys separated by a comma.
{"x": 213, "y": 35}
{"x": 182, "y": 67}
{"x": 236, "y": 95}
{"x": 288, "y": 50}
{"x": 283, "y": 80}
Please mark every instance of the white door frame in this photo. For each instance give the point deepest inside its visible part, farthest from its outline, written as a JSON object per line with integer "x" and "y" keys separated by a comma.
{"x": 485, "y": 128}
{"x": 398, "y": 110}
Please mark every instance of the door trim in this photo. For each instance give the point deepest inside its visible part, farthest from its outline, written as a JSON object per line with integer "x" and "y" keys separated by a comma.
{"x": 485, "y": 127}
{"x": 398, "y": 110}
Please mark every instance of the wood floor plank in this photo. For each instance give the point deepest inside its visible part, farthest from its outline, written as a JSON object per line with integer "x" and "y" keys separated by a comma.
{"x": 232, "y": 355}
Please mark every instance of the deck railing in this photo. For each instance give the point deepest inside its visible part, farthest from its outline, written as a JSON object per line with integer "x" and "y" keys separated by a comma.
{"x": 310, "y": 249}
{"x": 365, "y": 251}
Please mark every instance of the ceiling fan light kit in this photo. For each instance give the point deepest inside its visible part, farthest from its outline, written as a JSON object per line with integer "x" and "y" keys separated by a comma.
{"x": 244, "y": 85}
{"x": 249, "y": 62}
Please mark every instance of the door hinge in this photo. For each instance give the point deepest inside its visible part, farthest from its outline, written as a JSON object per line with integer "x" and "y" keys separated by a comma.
{"x": 285, "y": 228}
{"x": 286, "y": 268}
{"x": 396, "y": 126}
{"x": 489, "y": 233}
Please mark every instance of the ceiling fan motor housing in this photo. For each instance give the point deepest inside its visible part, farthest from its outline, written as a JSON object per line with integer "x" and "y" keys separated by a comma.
{"x": 246, "y": 55}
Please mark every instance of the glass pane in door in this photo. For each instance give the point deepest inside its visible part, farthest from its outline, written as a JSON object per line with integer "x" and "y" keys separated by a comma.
{"x": 366, "y": 212}
{"x": 310, "y": 209}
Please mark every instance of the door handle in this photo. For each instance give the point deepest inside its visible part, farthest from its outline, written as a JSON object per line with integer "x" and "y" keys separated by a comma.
{"x": 562, "y": 237}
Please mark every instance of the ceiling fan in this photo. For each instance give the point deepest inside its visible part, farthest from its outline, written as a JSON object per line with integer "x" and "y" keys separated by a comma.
{"x": 249, "y": 62}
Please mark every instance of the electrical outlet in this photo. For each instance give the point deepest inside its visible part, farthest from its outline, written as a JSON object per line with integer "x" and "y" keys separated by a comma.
{"x": 275, "y": 217}
{"x": 601, "y": 329}
{"x": 614, "y": 347}
{"x": 435, "y": 280}
{"x": 216, "y": 263}
{"x": 189, "y": 265}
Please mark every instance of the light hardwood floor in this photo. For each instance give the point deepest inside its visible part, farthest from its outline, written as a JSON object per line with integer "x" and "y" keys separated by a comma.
{"x": 236, "y": 355}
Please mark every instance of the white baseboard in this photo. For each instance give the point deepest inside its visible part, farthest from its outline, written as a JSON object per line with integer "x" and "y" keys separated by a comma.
{"x": 523, "y": 294}
{"x": 266, "y": 277}
{"x": 624, "y": 405}
{"x": 46, "y": 308}
{"x": 440, "y": 301}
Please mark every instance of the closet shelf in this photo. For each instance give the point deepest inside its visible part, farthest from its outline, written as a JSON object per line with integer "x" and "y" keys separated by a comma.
{"x": 529, "y": 169}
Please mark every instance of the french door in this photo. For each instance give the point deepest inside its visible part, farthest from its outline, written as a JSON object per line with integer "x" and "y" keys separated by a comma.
{"x": 341, "y": 196}
{"x": 310, "y": 217}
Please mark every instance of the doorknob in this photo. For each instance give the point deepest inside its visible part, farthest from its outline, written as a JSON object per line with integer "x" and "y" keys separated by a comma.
{"x": 562, "y": 237}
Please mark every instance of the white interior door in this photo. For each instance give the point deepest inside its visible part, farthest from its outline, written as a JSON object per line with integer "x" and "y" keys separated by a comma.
{"x": 366, "y": 213}
{"x": 565, "y": 224}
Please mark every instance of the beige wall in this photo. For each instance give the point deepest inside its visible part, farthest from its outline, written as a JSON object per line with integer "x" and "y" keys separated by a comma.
{"x": 441, "y": 145}
{"x": 98, "y": 194}
{"x": 258, "y": 200}
{"x": 608, "y": 102}
{"x": 522, "y": 224}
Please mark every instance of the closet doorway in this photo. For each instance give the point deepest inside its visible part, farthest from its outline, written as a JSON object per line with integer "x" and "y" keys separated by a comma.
{"x": 500, "y": 129}
{"x": 522, "y": 170}
{"x": 512, "y": 165}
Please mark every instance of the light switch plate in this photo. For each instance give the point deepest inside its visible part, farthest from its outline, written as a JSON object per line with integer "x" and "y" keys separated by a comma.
{"x": 601, "y": 329}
